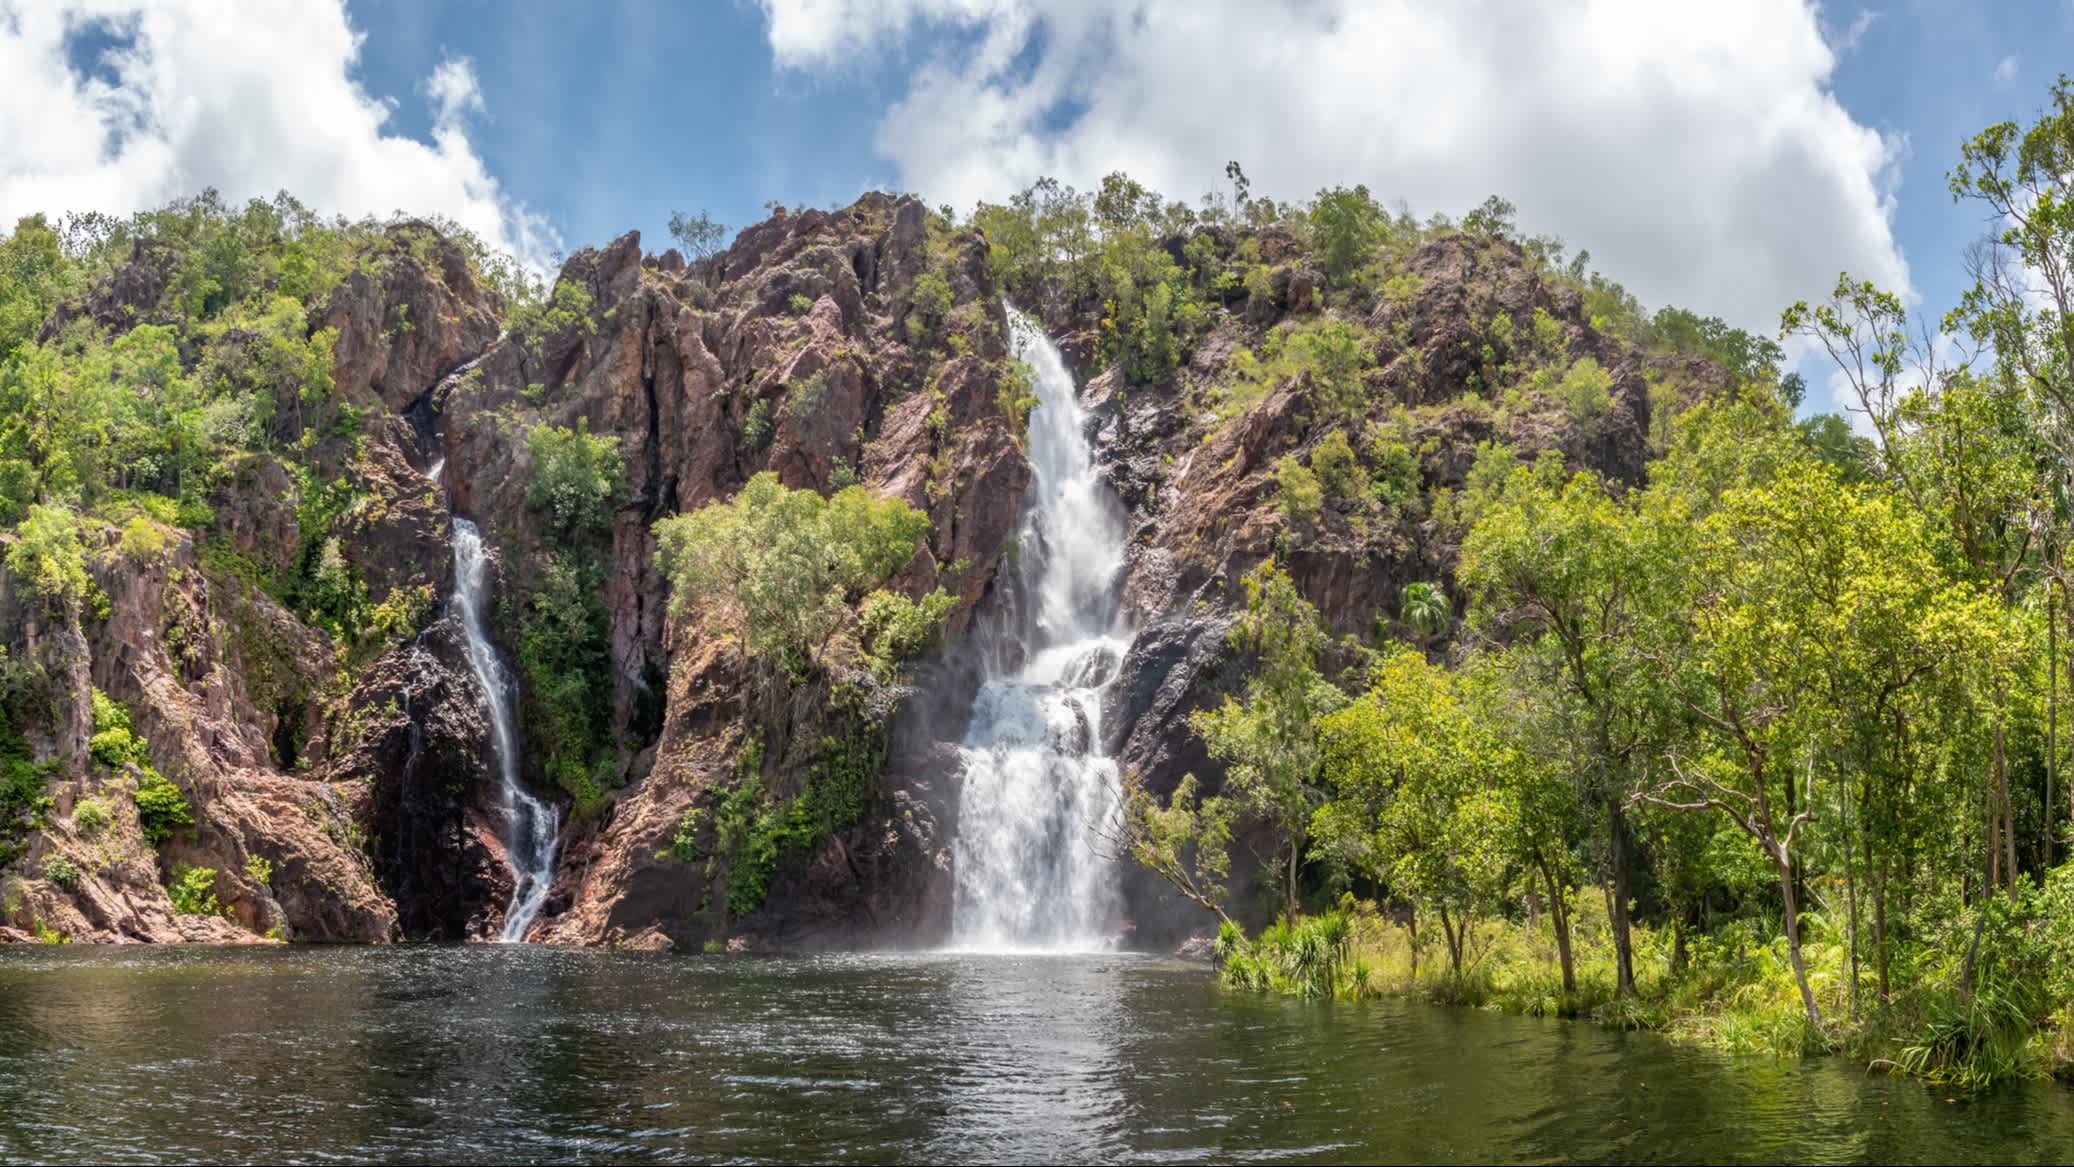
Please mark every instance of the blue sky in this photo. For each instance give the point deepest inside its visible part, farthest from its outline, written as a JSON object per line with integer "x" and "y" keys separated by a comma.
{"x": 610, "y": 122}
{"x": 1728, "y": 159}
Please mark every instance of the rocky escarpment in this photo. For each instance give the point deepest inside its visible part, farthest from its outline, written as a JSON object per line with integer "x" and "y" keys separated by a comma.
{"x": 1202, "y": 484}
{"x": 292, "y": 667}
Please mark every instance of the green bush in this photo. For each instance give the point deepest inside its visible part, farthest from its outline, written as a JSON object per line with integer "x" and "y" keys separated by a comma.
{"x": 161, "y": 806}
{"x": 61, "y": 871}
{"x": 576, "y": 477}
{"x": 779, "y": 566}
{"x": 193, "y": 891}
{"x": 1298, "y": 491}
{"x": 23, "y": 797}
{"x": 90, "y": 816}
{"x": 757, "y": 427}
{"x": 114, "y": 743}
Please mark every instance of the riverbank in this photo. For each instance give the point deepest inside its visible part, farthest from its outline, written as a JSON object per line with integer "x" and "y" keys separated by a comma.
{"x": 1729, "y": 988}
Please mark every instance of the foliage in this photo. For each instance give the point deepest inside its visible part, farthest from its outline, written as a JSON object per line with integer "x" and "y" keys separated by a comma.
{"x": 698, "y": 234}
{"x": 47, "y": 554}
{"x": 779, "y": 568}
{"x": 576, "y": 477}
{"x": 90, "y": 816}
{"x": 61, "y": 870}
{"x": 161, "y": 806}
{"x": 1266, "y": 739}
{"x": 193, "y": 891}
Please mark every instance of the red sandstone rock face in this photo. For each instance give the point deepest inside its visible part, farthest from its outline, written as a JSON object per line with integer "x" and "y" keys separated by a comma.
{"x": 211, "y": 669}
{"x": 376, "y": 808}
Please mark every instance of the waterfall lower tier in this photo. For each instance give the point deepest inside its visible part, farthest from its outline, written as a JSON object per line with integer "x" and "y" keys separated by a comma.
{"x": 529, "y": 824}
{"x": 1038, "y": 794}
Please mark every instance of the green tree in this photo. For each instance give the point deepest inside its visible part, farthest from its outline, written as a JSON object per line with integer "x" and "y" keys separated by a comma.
{"x": 1346, "y": 227}
{"x": 1269, "y": 739}
{"x": 780, "y": 568}
{"x": 576, "y": 476}
{"x": 698, "y": 234}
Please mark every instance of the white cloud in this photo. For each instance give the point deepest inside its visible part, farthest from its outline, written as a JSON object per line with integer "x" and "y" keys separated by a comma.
{"x": 1698, "y": 153}
{"x": 2005, "y": 71}
{"x": 248, "y": 96}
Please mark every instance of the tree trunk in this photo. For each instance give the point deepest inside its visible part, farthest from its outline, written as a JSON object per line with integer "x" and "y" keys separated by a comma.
{"x": 2008, "y": 807}
{"x": 1782, "y": 858}
{"x": 1559, "y": 918}
{"x": 1623, "y": 950}
{"x": 1412, "y": 924}
{"x": 1289, "y": 893}
{"x": 2052, "y": 716}
{"x": 1879, "y": 917}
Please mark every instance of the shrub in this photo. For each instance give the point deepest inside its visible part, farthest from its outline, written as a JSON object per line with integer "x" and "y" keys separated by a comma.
{"x": 576, "y": 476}
{"x": 90, "y": 816}
{"x": 161, "y": 806}
{"x": 114, "y": 743}
{"x": 1298, "y": 493}
{"x": 260, "y": 869}
{"x": 193, "y": 891}
{"x": 894, "y": 628}
{"x": 142, "y": 538}
{"x": 756, "y": 427}
{"x": 779, "y": 566}
{"x": 61, "y": 871}
{"x": 801, "y": 304}
{"x": 1337, "y": 469}
{"x": 47, "y": 554}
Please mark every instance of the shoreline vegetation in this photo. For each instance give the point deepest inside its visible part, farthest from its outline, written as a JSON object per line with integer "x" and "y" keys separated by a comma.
{"x": 1763, "y": 748}
{"x": 1731, "y": 990}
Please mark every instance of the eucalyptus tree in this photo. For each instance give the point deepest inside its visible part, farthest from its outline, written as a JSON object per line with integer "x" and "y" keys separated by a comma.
{"x": 1555, "y": 564}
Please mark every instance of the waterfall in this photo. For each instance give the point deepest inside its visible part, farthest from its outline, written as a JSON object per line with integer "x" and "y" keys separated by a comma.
{"x": 1032, "y": 871}
{"x": 529, "y": 825}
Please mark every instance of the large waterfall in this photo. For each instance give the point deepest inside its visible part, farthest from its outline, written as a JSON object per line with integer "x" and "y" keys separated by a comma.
{"x": 1033, "y": 870}
{"x": 529, "y": 825}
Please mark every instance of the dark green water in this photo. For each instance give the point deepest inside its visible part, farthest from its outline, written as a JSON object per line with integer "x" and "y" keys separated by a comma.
{"x": 505, "y": 1053}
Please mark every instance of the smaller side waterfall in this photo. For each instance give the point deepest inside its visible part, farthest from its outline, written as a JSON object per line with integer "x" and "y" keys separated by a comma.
{"x": 529, "y": 824}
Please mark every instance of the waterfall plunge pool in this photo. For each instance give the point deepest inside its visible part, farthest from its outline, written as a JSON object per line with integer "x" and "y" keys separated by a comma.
{"x": 499, "y": 1053}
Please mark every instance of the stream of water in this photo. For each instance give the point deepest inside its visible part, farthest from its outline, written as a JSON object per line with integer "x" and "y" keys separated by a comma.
{"x": 1037, "y": 790}
{"x": 529, "y": 824}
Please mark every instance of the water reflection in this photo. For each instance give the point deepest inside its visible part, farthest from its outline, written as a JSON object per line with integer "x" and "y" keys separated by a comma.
{"x": 495, "y": 1053}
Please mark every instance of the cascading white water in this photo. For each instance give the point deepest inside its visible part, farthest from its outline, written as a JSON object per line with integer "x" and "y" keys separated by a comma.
{"x": 1032, "y": 872}
{"x": 529, "y": 825}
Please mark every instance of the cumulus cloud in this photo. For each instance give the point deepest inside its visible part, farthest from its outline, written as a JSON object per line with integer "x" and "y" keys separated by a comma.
{"x": 1699, "y": 154}
{"x": 118, "y": 107}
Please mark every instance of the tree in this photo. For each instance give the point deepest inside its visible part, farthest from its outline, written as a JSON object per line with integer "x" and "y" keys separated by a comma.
{"x": 1346, "y": 226}
{"x": 781, "y": 567}
{"x": 576, "y": 476}
{"x": 1187, "y": 842}
{"x": 698, "y": 234}
{"x": 1417, "y": 794}
{"x": 1815, "y": 606}
{"x": 1562, "y": 562}
{"x": 1426, "y": 609}
{"x": 1269, "y": 739}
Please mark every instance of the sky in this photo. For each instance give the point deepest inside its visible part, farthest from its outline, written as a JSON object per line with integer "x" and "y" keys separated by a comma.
{"x": 1729, "y": 159}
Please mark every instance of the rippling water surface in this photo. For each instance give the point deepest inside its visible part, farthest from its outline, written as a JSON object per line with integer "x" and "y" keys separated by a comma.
{"x": 496, "y": 1053}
